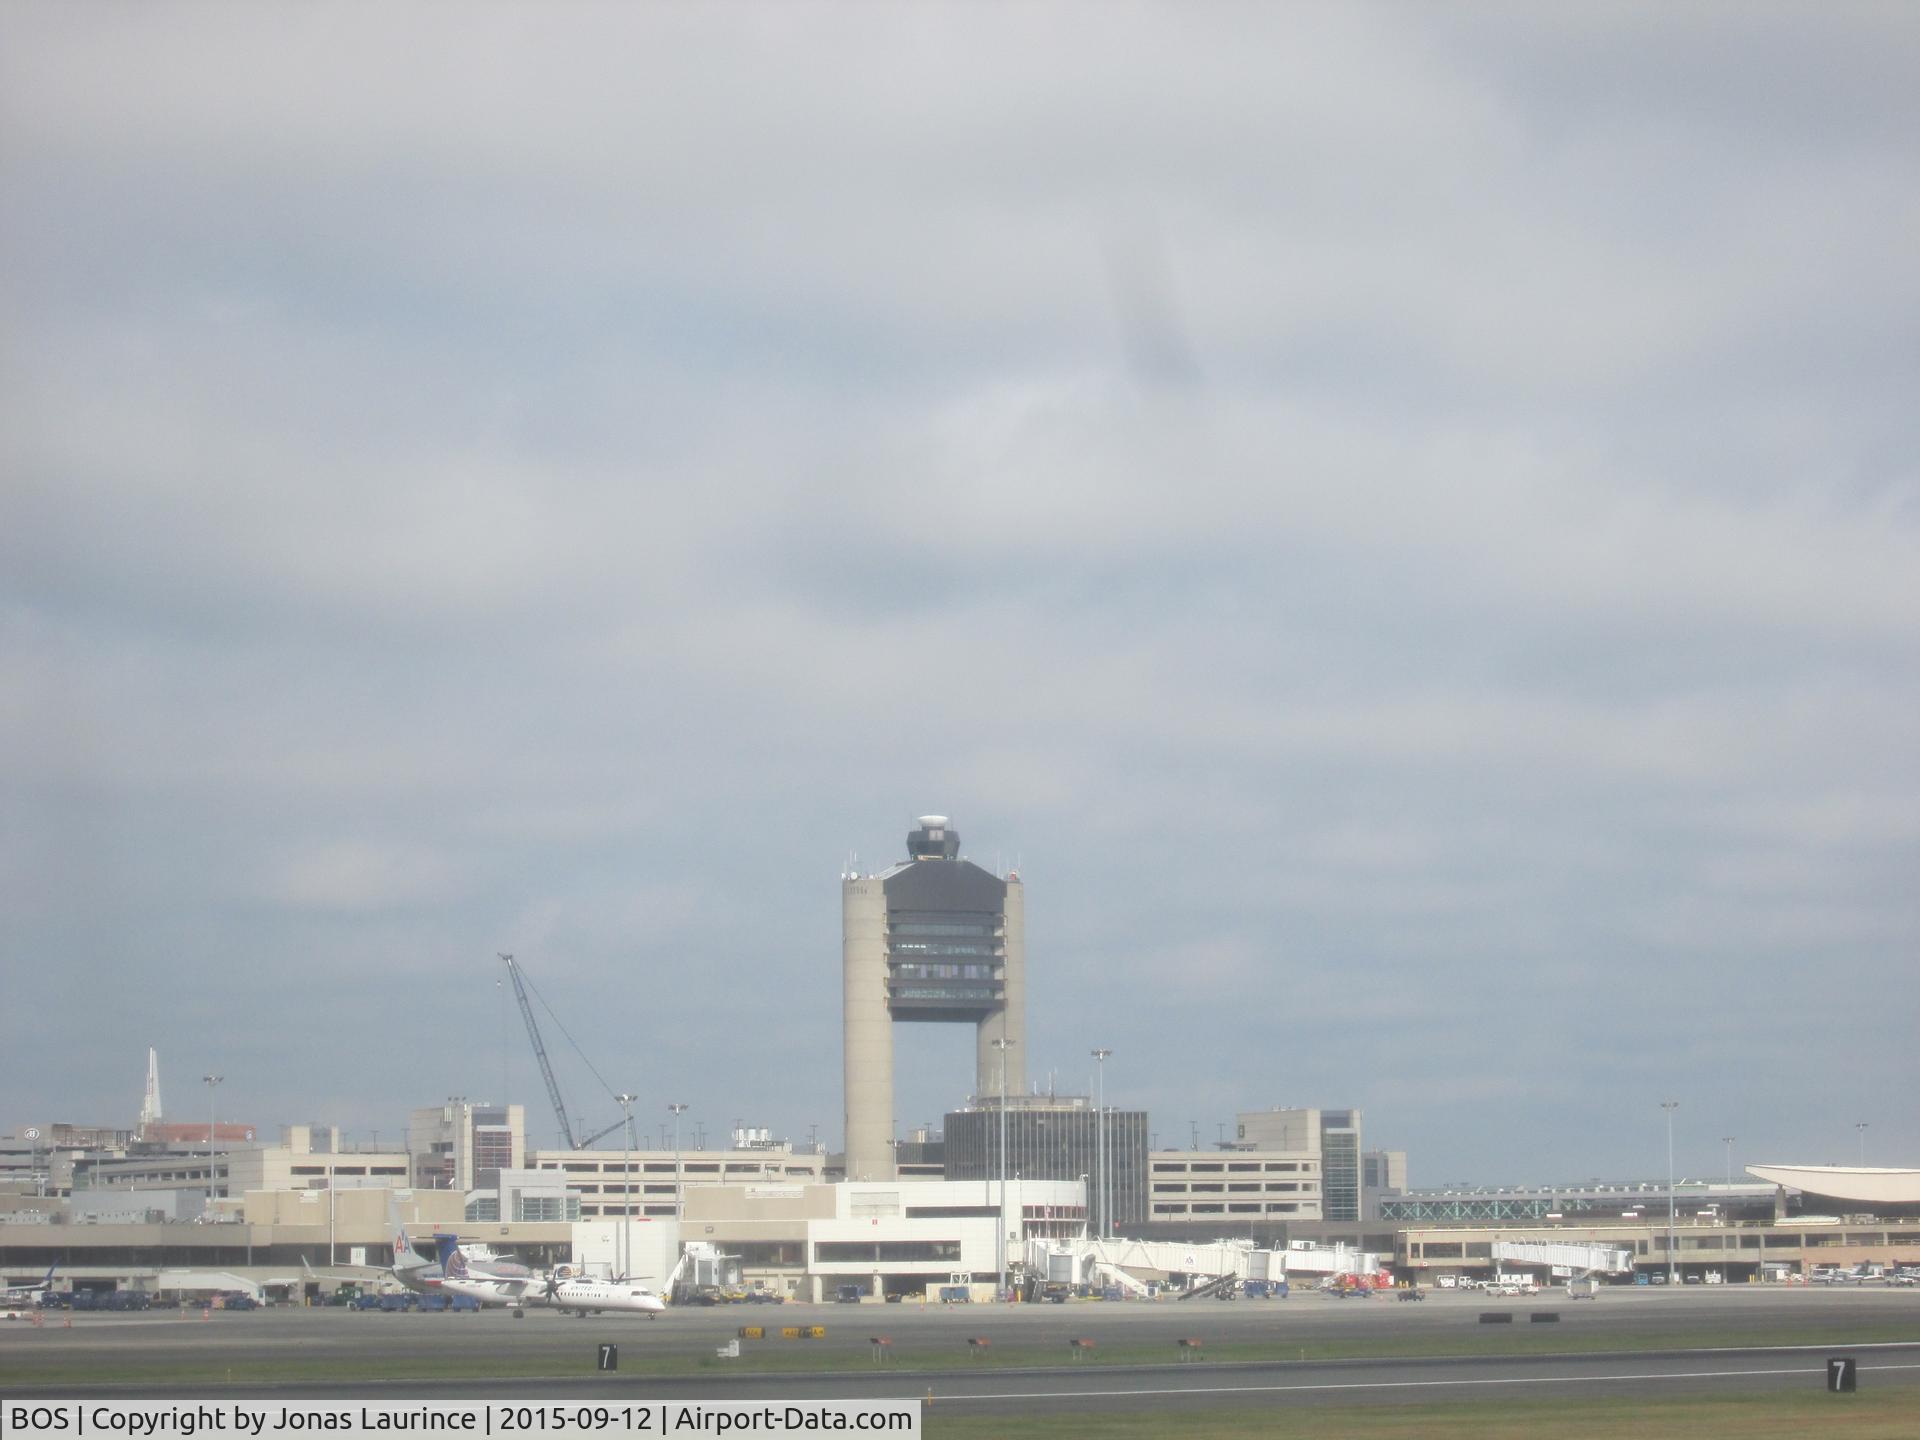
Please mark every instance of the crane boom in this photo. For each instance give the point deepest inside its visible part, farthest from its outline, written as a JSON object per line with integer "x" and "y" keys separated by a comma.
{"x": 540, "y": 1052}
{"x": 586, "y": 1141}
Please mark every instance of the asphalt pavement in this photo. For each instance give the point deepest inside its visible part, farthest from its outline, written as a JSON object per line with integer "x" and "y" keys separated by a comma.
{"x": 1784, "y": 1338}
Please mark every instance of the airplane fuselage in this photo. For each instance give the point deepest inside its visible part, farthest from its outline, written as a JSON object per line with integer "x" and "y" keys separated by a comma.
{"x": 487, "y": 1292}
{"x": 28, "y": 1294}
{"x": 587, "y": 1297}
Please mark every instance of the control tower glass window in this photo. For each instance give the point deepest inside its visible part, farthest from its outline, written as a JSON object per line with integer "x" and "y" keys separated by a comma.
{"x": 945, "y": 964}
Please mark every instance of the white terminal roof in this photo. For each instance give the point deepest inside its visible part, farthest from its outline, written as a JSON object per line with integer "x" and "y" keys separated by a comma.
{"x": 1846, "y": 1182}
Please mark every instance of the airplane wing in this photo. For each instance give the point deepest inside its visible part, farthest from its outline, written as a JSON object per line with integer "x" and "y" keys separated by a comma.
{"x": 336, "y": 1272}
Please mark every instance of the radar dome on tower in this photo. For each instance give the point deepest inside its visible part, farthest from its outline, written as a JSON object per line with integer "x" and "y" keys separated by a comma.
{"x": 934, "y": 840}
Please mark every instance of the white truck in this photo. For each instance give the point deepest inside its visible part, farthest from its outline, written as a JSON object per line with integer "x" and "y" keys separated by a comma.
{"x": 1513, "y": 1285}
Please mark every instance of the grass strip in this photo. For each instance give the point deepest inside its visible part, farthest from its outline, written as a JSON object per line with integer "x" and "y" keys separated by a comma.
{"x": 782, "y": 1357}
{"x": 1878, "y": 1414}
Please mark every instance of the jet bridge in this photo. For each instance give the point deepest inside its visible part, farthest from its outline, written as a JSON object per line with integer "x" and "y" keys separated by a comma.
{"x": 1132, "y": 1264}
{"x": 1566, "y": 1256}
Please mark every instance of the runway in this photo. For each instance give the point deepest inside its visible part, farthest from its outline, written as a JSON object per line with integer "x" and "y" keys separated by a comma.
{"x": 1250, "y": 1353}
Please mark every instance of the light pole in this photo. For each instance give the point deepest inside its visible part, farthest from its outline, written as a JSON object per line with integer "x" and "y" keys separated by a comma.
{"x": 1726, "y": 1209}
{"x": 679, "y": 1201}
{"x": 1003, "y": 1045}
{"x": 1100, "y": 1138}
{"x": 211, "y": 1082}
{"x": 626, "y": 1187}
{"x": 1860, "y": 1127}
{"x": 1670, "y": 1106}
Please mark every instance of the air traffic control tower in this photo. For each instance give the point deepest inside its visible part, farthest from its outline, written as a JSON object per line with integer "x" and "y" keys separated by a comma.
{"x": 935, "y": 939}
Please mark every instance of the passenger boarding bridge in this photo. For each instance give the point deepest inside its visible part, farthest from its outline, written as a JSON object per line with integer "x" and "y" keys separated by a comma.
{"x": 1134, "y": 1265}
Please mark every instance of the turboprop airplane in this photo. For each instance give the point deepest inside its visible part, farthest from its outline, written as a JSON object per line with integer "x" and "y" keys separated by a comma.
{"x": 589, "y": 1297}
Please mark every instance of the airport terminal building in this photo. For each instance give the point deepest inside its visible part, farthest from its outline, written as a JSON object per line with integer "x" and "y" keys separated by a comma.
{"x": 933, "y": 939}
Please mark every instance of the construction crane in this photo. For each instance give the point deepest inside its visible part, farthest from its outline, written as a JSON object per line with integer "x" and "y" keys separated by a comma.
{"x": 546, "y": 1069}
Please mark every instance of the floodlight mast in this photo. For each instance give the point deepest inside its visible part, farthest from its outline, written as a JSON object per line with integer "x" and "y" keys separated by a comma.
{"x": 540, "y": 1054}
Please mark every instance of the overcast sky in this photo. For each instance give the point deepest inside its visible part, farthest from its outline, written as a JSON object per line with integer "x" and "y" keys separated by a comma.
{"x": 1402, "y": 522}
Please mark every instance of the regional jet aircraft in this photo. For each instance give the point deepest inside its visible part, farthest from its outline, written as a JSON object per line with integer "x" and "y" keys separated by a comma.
{"x": 28, "y": 1294}
{"x": 408, "y": 1268}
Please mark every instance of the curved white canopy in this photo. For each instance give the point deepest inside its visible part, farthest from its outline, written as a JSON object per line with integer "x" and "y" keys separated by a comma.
{"x": 1846, "y": 1182}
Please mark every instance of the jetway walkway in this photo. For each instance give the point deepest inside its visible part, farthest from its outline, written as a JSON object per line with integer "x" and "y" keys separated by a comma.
{"x": 1141, "y": 1260}
{"x": 1132, "y": 1264}
{"x": 1572, "y": 1258}
{"x": 1328, "y": 1260}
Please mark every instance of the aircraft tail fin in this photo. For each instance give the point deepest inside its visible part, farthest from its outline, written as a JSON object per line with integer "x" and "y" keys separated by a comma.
{"x": 402, "y": 1256}
{"x": 453, "y": 1263}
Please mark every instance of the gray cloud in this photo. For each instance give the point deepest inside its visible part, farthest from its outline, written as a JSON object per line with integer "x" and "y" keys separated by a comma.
{"x": 1402, "y": 524}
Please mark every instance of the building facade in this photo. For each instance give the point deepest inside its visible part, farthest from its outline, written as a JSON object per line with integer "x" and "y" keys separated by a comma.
{"x": 301, "y": 1161}
{"x": 1051, "y": 1137}
{"x": 1383, "y": 1177}
{"x": 1226, "y": 1190}
{"x": 449, "y": 1145}
{"x": 884, "y": 1238}
{"x": 1705, "y": 1250}
{"x": 1332, "y": 1135}
{"x": 649, "y": 1184}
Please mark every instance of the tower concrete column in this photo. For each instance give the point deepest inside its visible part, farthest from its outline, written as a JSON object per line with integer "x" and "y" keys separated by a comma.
{"x": 868, "y": 1051}
{"x": 1010, "y": 1021}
